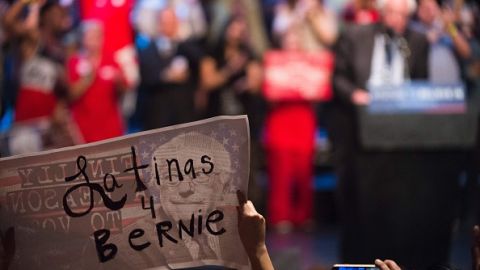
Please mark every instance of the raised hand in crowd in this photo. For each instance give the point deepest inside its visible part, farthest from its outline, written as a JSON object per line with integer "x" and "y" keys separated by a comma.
{"x": 460, "y": 43}
{"x": 251, "y": 227}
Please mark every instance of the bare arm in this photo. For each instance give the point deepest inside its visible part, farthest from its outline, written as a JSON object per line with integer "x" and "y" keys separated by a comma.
{"x": 210, "y": 76}
{"x": 27, "y": 27}
{"x": 10, "y": 18}
{"x": 80, "y": 86}
{"x": 254, "y": 76}
{"x": 459, "y": 42}
{"x": 324, "y": 25}
{"x": 251, "y": 227}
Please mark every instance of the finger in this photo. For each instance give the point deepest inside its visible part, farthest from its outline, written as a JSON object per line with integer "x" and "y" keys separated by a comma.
{"x": 381, "y": 265}
{"x": 392, "y": 265}
{"x": 249, "y": 209}
{"x": 242, "y": 199}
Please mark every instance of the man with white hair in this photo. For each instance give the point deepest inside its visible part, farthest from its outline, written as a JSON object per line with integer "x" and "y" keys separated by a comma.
{"x": 398, "y": 204}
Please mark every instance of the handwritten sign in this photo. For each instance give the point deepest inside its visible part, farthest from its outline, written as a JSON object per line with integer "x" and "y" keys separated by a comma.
{"x": 297, "y": 76}
{"x": 164, "y": 198}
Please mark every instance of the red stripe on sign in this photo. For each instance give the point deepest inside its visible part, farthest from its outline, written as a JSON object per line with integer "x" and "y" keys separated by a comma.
{"x": 10, "y": 181}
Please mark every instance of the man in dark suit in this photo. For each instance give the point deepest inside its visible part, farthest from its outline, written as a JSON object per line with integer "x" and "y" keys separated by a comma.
{"x": 390, "y": 203}
{"x": 169, "y": 74}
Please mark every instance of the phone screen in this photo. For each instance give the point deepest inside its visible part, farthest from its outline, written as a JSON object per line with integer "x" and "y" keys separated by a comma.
{"x": 355, "y": 267}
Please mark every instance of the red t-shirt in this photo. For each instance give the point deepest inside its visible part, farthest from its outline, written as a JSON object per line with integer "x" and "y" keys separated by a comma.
{"x": 36, "y": 97}
{"x": 96, "y": 112}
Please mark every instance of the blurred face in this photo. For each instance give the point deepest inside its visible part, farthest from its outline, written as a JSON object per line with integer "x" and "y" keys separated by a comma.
{"x": 92, "y": 39}
{"x": 168, "y": 23}
{"x": 192, "y": 195}
{"x": 236, "y": 30}
{"x": 396, "y": 15}
{"x": 428, "y": 10}
{"x": 56, "y": 19}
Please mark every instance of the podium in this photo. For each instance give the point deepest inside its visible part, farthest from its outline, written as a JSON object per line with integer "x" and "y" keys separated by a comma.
{"x": 418, "y": 115}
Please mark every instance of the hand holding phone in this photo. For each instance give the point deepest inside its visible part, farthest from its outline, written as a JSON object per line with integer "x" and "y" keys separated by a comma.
{"x": 379, "y": 265}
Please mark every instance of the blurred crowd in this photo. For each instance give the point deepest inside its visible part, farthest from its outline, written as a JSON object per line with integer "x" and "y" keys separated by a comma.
{"x": 71, "y": 76}
{"x": 203, "y": 56}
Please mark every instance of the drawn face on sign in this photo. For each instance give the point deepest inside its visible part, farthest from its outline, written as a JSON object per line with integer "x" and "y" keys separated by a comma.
{"x": 199, "y": 180}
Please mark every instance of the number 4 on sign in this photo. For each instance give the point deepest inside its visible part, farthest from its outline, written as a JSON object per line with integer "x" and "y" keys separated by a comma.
{"x": 151, "y": 206}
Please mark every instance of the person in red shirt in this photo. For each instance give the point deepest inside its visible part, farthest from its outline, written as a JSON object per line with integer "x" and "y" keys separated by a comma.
{"x": 41, "y": 119}
{"x": 38, "y": 37}
{"x": 95, "y": 86}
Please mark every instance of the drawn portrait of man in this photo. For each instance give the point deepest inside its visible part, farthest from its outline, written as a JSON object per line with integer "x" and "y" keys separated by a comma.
{"x": 195, "y": 186}
{"x": 191, "y": 176}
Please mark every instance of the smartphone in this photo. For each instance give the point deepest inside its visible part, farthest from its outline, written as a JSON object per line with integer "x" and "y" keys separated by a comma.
{"x": 355, "y": 267}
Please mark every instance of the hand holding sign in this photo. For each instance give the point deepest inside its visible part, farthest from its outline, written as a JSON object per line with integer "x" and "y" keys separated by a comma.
{"x": 251, "y": 227}
{"x": 160, "y": 198}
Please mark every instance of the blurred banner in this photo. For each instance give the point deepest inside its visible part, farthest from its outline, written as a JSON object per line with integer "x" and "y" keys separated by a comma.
{"x": 293, "y": 76}
{"x": 418, "y": 115}
{"x": 164, "y": 198}
{"x": 418, "y": 96}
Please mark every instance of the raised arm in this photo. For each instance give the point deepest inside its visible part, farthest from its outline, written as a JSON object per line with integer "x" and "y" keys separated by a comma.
{"x": 460, "y": 43}
{"x": 251, "y": 227}
{"x": 29, "y": 26}
{"x": 323, "y": 24}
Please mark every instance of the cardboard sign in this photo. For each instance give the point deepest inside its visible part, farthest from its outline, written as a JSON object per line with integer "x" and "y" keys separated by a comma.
{"x": 293, "y": 76}
{"x": 164, "y": 198}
